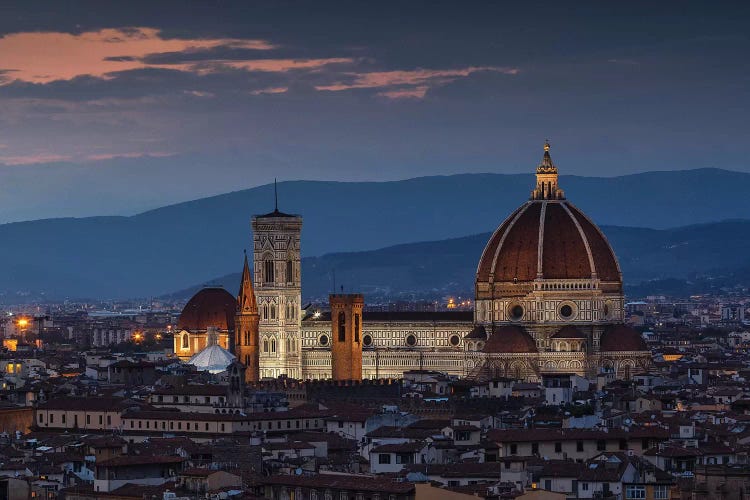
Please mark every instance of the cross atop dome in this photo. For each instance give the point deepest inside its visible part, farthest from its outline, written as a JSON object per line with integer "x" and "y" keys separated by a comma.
{"x": 546, "y": 179}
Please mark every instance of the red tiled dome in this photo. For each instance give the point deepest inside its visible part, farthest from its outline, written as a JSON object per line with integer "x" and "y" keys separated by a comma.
{"x": 212, "y": 306}
{"x": 510, "y": 339}
{"x": 571, "y": 246}
{"x": 621, "y": 338}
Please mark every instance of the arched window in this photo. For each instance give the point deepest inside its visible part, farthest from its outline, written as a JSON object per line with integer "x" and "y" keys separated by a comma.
{"x": 265, "y": 311}
{"x": 356, "y": 327}
{"x": 342, "y": 327}
{"x": 185, "y": 341}
{"x": 288, "y": 344}
{"x": 247, "y": 360}
{"x": 268, "y": 275}
{"x": 265, "y": 345}
{"x": 273, "y": 345}
{"x": 273, "y": 311}
{"x": 247, "y": 338}
{"x": 289, "y": 271}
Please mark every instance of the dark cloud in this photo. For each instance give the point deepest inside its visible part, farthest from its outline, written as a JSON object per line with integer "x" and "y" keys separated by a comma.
{"x": 120, "y": 58}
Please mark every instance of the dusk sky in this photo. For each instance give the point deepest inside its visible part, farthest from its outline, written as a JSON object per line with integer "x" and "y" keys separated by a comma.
{"x": 115, "y": 107}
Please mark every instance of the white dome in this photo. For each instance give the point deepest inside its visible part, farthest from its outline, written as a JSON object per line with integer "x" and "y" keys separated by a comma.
{"x": 213, "y": 359}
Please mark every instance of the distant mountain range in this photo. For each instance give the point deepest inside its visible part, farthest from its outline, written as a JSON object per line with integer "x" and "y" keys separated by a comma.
{"x": 688, "y": 259}
{"x": 177, "y": 246}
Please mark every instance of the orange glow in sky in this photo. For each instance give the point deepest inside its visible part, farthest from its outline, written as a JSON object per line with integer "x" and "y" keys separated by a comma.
{"x": 51, "y": 56}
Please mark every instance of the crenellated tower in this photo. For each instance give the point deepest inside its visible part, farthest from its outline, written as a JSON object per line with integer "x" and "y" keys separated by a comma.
{"x": 247, "y": 321}
{"x": 346, "y": 336}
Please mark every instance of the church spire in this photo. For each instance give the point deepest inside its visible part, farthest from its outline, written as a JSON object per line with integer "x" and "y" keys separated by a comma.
{"x": 275, "y": 196}
{"x": 546, "y": 179}
{"x": 246, "y": 298}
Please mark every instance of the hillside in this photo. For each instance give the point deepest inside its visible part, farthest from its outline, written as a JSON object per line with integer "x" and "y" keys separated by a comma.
{"x": 174, "y": 247}
{"x": 683, "y": 260}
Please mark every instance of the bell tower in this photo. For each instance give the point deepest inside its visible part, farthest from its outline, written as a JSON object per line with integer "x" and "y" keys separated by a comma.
{"x": 346, "y": 336}
{"x": 246, "y": 343}
{"x": 277, "y": 272}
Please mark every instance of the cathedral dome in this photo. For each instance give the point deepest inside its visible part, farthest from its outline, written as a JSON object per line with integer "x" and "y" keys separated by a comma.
{"x": 547, "y": 238}
{"x": 210, "y": 307}
{"x": 621, "y": 338}
{"x": 510, "y": 339}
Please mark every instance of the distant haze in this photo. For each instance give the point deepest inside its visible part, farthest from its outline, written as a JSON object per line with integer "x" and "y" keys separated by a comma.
{"x": 182, "y": 245}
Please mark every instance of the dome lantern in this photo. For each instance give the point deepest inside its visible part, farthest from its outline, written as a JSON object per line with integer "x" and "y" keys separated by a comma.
{"x": 546, "y": 179}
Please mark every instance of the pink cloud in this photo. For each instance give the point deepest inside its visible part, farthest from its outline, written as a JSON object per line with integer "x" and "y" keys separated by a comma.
{"x": 283, "y": 65}
{"x": 50, "y": 56}
{"x": 199, "y": 93}
{"x": 33, "y": 159}
{"x": 270, "y": 90}
{"x": 411, "y": 83}
{"x": 413, "y": 93}
{"x": 112, "y": 156}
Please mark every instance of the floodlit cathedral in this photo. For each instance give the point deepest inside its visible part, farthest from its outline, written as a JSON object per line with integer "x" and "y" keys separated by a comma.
{"x": 548, "y": 301}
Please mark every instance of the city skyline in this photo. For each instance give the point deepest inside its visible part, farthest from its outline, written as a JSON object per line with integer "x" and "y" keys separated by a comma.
{"x": 357, "y": 250}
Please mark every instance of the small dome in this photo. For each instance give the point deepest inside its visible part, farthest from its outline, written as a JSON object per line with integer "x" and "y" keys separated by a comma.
{"x": 212, "y": 359}
{"x": 211, "y": 306}
{"x": 510, "y": 339}
{"x": 621, "y": 338}
{"x": 569, "y": 332}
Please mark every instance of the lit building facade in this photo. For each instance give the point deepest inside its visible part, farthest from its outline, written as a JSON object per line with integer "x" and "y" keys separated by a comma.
{"x": 548, "y": 300}
{"x": 548, "y": 294}
{"x": 278, "y": 288}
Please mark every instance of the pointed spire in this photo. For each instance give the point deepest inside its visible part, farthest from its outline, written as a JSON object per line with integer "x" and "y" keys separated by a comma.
{"x": 246, "y": 297}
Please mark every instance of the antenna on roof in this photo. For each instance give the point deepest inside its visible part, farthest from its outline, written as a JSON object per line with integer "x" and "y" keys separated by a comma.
{"x": 275, "y": 196}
